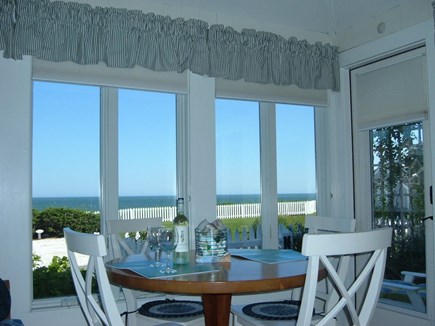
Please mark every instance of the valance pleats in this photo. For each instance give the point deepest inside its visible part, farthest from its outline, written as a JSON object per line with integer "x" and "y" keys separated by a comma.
{"x": 68, "y": 31}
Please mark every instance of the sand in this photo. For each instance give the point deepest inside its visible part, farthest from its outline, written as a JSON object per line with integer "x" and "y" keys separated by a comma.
{"x": 47, "y": 248}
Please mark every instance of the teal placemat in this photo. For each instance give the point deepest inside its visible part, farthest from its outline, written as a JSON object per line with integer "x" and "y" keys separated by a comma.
{"x": 146, "y": 268}
{"x": 268, "y": 256}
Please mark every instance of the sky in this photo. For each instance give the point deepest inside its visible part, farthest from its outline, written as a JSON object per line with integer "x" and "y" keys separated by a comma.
{"x": 66, "y": 144}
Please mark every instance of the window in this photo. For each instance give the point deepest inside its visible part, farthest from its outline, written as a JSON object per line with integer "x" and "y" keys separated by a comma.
{"x": 65, "y": 173}
{"x": 238, "y": 173}
{"x": 238, "y": 159}
{"x": 66, "y": 167}
{"x": 147, "y": 150}
{"x": 296, "y": 158}
{"x": 296, "y": 167}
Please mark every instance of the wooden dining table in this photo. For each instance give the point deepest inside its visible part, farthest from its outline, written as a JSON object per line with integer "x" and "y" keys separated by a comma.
{"x": 216, "y": 288}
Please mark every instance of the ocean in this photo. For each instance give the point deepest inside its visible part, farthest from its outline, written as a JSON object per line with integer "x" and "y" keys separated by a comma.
{"x": 91, "y": 203}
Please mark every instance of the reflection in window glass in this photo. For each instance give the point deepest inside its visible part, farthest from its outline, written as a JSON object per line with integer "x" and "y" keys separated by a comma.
{"x": 398, "y": 201}
{"x": 147, "y": 149}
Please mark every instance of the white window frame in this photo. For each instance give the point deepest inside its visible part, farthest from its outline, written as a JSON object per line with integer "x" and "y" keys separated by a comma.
{"x": 20, "y": 77}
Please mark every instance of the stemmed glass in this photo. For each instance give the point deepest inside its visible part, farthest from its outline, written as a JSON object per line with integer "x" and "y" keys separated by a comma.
{"x": 168, "y": 242}
{"x": 154, "y": 243}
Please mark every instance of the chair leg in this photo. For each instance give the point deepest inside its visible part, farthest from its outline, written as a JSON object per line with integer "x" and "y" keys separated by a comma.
{"x": 131, "y": 305}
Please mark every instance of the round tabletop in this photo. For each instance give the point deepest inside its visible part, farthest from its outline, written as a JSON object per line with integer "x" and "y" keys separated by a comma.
{"x": 240, "y": 276}
{"x": 235, "y": 277}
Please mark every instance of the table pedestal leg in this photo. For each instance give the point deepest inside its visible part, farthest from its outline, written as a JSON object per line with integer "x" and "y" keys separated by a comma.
{"x": 217, "y": 309}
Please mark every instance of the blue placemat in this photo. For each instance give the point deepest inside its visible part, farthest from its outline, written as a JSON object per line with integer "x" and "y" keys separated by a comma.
{"x": 268, "y": 256}
{"x": 147, "y": 268}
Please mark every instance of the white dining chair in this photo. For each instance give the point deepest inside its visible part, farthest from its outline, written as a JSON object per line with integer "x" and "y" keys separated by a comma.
{"x": 372, "y": 245}
{"x": 325, "y": 224}
{"x": 326, "y": 293}
{"x": 94, "y": 246}
{"x": 154, "y": 310}
{"x": 98, "y": 308}
{"x": 121, "y": 244}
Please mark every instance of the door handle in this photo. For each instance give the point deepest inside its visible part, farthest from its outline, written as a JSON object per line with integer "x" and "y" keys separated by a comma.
{"x": 426, "y": 218}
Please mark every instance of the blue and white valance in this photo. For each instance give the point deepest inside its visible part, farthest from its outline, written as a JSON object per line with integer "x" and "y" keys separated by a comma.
{"x": 68, "y": 31}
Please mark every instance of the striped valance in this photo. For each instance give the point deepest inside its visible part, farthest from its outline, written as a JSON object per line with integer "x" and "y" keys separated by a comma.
{"x": 433, "y": 11}
{"x": 68, "y": 31}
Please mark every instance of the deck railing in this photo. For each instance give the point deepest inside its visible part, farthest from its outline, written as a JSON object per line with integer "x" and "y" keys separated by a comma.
{"x": 223, "y": 211}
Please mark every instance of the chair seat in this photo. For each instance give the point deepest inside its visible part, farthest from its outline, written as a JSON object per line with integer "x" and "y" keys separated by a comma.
{"x": 182, "y": 321}
{"x": 180, "y": 312}
{"x": 275, "y": 310}
{"x": 240, "y": 318}
{"x": 171, "y": 309}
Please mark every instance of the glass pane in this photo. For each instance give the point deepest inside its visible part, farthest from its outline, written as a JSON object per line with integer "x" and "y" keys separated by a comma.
{"x": 296, "y": 170}
{"x": 398, "y": 201}
{"x": 238, "y": 163}
{"x": 147, "y": 154}
{"x": 66, "y": 177}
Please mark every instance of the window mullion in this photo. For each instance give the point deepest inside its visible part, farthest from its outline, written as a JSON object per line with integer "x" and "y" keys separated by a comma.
{"x": 108, "y": 155}
{"x": 182, "y": 146}
{"x": 268, "y": 164}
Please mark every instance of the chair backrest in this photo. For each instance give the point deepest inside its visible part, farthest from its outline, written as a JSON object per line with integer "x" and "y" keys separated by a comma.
{"x": 319, "y": 247}
{"x": 326, "y": 293}
{"x": 324, "y": 224}
{"x": 93, "y": 246}
{"x": 122, "y": 246}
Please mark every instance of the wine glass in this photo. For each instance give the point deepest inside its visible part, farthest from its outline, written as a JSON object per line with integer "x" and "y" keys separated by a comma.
{"x": 154, "y": 243}
{"x": 168, "y": 242}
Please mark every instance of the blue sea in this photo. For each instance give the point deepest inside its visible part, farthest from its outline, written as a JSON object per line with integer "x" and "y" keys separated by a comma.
{"x": 91, "y": 203}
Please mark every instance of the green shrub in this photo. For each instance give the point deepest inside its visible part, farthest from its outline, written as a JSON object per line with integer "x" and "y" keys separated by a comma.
{"x": 53, "y": 220}
{"x": 36, "y": 259}
{"x": 54, "y": 280}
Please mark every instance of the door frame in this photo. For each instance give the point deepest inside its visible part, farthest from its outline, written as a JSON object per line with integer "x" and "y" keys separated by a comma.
{"x": 419, "y": 35}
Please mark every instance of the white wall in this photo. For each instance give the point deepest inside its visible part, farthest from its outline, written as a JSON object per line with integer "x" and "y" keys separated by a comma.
{"x": 16, "y": 196}
{"x": 15, "y": 172}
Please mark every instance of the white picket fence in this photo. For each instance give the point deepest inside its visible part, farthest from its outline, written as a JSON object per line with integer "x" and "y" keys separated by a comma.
{"x": 223, "y": 211}
{"x": 252, "y": 237}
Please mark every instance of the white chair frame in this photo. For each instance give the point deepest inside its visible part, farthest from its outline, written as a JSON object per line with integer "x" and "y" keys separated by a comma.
{"x": 93, "y": 246}
{"x": 318, "y": 247}
{"x": 323, "y": 224}
{"x": 116, "y": 229}
{"x": 118, "y": 243}
{"x": 96, "y": 312}
{"x": 327, "y": 294}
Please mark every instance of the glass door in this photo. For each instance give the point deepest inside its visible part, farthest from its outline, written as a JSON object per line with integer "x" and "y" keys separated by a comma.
{"x": 397, "y": 179}
{"x": 392, "y": 180}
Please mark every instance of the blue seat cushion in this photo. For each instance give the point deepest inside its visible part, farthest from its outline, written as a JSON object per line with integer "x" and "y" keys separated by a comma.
{"x": 274, "y": 310}
{"x": 171, "y": 309}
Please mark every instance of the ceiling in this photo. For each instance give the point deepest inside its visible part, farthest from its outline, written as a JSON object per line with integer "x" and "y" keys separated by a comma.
{"x": 341, "y": 20}
{"x": 345, "y": 23}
